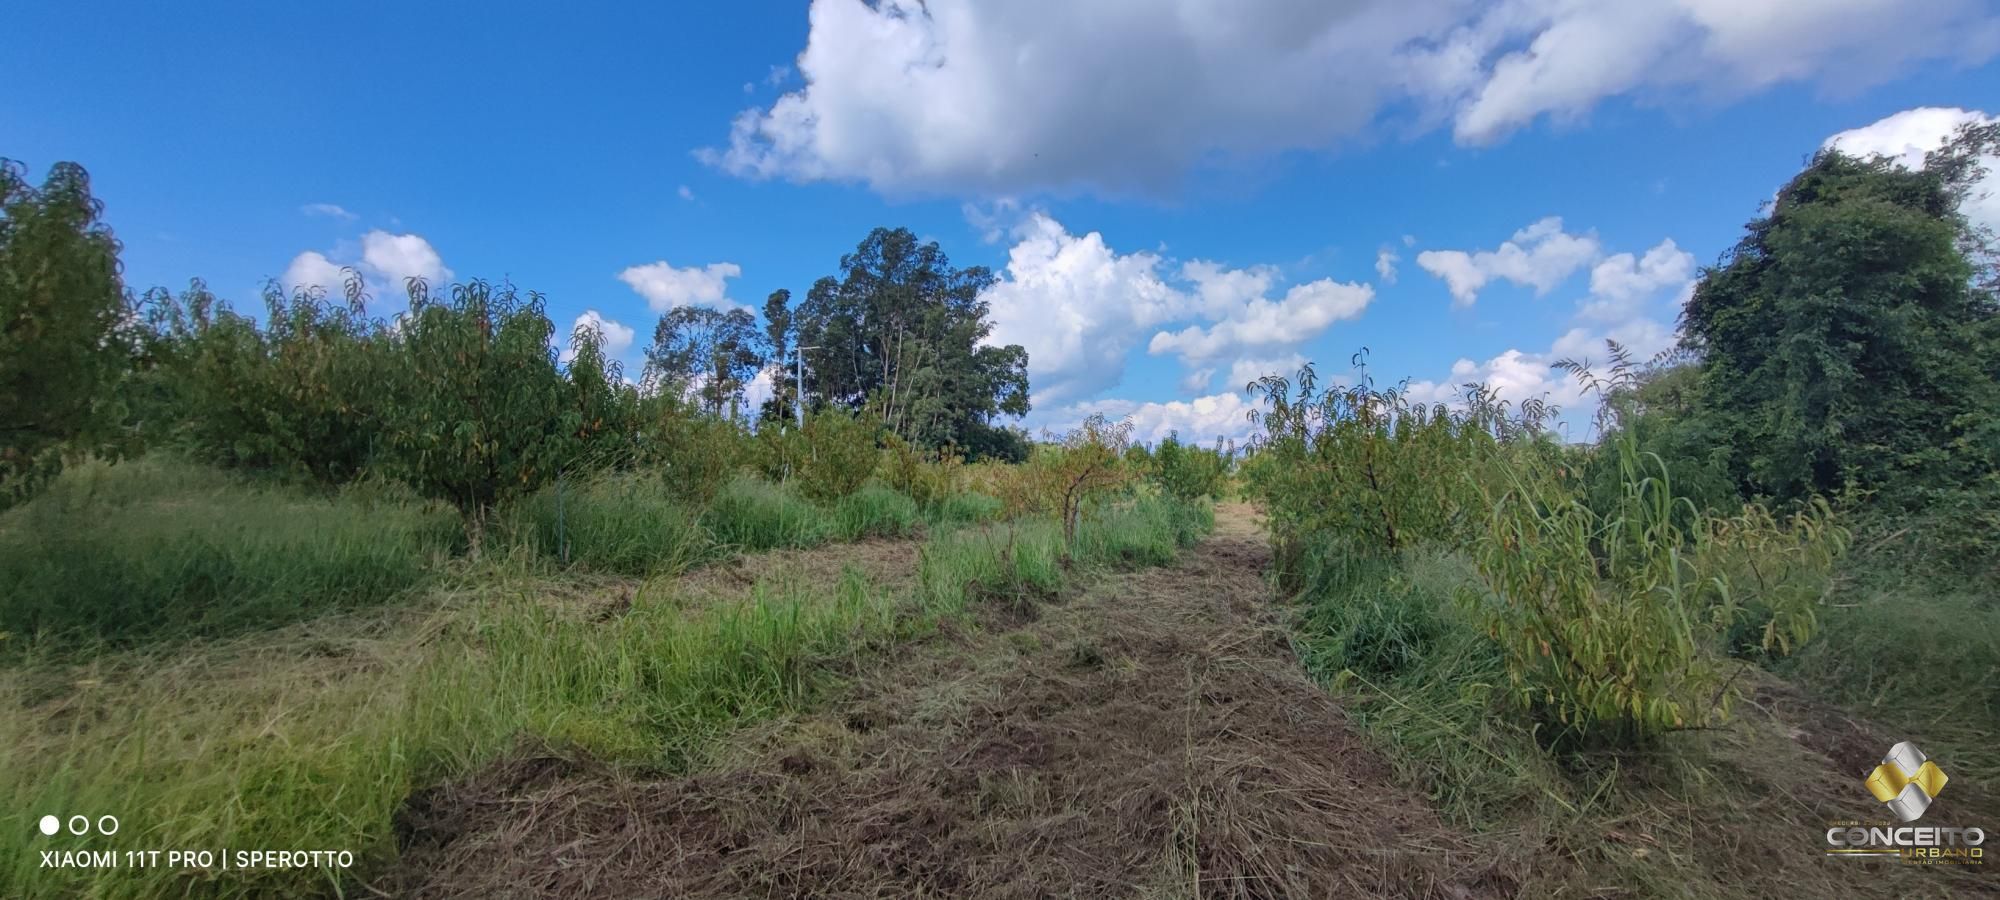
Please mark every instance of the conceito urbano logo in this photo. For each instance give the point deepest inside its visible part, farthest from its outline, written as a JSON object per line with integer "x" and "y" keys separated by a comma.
{"x": 1906, "y": 782}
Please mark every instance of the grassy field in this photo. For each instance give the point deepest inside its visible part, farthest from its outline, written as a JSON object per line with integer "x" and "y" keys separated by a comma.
{"x": 311, "y": 732}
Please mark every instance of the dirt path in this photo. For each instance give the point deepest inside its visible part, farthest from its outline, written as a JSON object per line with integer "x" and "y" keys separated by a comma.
{"x": 1151, "y": 736}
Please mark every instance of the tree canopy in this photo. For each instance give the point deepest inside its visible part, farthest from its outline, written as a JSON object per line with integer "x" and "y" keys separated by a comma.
{"x": 902, "y": 333}
{"x": 709, "y": 353}
{"x": 62, "y": 316}
{"x": 1845, "y": 339}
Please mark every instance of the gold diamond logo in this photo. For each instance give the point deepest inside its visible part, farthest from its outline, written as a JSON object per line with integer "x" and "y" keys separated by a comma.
{"x": 1906, "y": 781}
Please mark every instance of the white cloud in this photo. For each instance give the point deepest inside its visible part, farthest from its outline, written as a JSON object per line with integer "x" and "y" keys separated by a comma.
{"x": 1908, "y": 136}
{"x": 1541, "y": 256}
{"x": 385, "y": 261}
{"x": 312, "y": 269}
{"x": 957, "y": 96}
{"x": 761, "y": 387}
{"x": 1244, "y": 371}
{"x": 1385, "y": 265}
{"x": 1078, "y": 307}
{"x": 396, "y": 258}
{"x": 614, "y": 337}
{"x": 1620, "y": 283}
{"x": 328, "y": 210}
{"x": 685, "y": 193}
{"x": 1261, "y": 324}
{"x": 666, "y": 287}
{"x": 1200, "y": 420}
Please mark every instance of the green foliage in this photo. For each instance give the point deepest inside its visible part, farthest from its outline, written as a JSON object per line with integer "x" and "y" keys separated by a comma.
{"x": 484, "y": 418}
{"x": 875, "y": 511}
{"x": 154, "y": 549}
{"x": 1186, "y": 471}
{"x": 899, "y": 333}
{"x": 841, "y": 455}
{"x": 756, "y": 515}
{"x": 1380, "y": 471}
{"x": 709, "y": 353}
{"x": 309, "y": 395}
{"x": 1844, "y": 344}
{"x": 63, "y": 344}
{"x": 966, "y": 507}
{"x": 628, "y": 523}
{"x": 1146, "y": 532}
{"x": 1614, "y": 624}
{"x": 1065, "y": 477}
{"x": 694, "y": 452}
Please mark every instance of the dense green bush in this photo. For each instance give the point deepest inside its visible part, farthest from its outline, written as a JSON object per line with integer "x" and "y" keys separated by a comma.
{"x": 153, "y": 548}
{"x": 1186, "y": 471}
{"x": 840, "y": 455}
{"x": 1617, "y": 625}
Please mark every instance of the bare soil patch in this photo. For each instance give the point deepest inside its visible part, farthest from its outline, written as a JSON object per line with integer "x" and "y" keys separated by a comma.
{"x": 1149, "y": 736}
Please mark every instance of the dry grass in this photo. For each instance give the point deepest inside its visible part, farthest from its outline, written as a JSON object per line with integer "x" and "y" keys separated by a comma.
{"x": 1149, "y": 736}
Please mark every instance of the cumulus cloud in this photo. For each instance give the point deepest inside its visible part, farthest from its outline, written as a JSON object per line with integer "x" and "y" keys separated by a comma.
{"x": 385, "y": 262}
{"x": 666, "y": 287}
{"x": 328, "y": 210}
{"x": 1080, "y": 307}
{"x": 1621, "y": 282}
{"x": 958, "y": 96}
{"x": 1540, "y": 256}
{"x": 1261, "y": 324}
{"x": 1200, "y": 420}
{"x": 1908, "y": 136}
{"x": 614, "y": 337}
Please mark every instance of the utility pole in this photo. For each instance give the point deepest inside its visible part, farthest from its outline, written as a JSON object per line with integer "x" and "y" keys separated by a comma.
{"x": 800, "y": 392}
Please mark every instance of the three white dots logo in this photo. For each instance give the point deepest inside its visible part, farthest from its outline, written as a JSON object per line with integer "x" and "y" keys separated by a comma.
{"x": 80, "y": 825}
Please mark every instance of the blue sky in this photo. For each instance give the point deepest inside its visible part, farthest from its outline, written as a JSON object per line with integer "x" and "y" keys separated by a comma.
{"x": 1224, "y": 174}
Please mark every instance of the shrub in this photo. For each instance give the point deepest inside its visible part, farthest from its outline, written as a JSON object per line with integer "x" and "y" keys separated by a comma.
{"x": 1186, "y": 471}
{"x": 1615, "y": 625}
{"x": 695, "y": 453}
{"x": 757, "y": 515}
{"x": 155, "y": 549}
{"x": 1082, "y": 467}
{"x": 841, "y": 455}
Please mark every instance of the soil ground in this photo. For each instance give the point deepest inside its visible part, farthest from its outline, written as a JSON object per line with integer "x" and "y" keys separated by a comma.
{"x": 1150, "y": 735}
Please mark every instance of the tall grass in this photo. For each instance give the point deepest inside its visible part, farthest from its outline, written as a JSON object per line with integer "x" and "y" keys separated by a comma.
{"x": 752, "y": 514}
{"x": 875, "y": 511}
{"x": 155, "y": 548}
{"x": 624, "y": 523}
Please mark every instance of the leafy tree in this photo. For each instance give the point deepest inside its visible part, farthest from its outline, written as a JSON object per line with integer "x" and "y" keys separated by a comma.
{"x": 63, "y": 311}
{"x": 1844, "y": 340}
{"x": 484, "y": 417}
{"x": 708, "y": 352}
{"x": 606, "y": 409}
{"x": 901, "y": 332}
{"x": 778, "y": 334}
